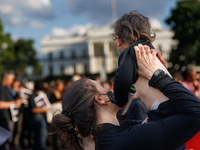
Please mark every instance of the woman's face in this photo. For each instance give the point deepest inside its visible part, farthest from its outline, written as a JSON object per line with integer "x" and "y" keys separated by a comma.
{"x": 60, "y": 86}
{"x": 105, "y": 97}
{"x": 99, "y": 87}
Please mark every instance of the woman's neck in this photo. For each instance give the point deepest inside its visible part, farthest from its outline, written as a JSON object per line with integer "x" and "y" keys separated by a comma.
{"x": 107, "y": 116}
{"x": 88, "y": 143}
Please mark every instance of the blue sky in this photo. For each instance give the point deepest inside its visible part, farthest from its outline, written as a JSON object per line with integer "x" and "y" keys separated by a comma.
{"x": 33, "y": 19}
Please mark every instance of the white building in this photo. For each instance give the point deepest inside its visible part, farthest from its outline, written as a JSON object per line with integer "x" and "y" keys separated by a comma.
{"x": 90, "y": 53}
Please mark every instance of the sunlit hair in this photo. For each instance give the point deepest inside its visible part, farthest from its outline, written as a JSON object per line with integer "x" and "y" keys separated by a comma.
{"x": 132, "y": 27}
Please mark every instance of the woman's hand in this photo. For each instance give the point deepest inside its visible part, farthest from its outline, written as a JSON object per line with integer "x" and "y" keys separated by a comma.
{"x": 146, "y": 60}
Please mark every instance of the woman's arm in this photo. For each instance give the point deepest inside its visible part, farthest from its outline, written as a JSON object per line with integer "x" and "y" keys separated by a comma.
{"x": 181, "y": 125}
{"x": 173, "y": 131}
{"x": 148, "y": 94}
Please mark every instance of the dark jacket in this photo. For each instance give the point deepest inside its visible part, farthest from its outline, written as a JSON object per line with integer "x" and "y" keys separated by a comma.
{"x": 171, "y": 125}
{"x": 126, "y": 73}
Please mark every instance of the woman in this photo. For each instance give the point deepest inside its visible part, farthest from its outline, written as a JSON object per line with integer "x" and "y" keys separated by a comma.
{"x": 88, "y": 120}
{"x": 38, "y": 106}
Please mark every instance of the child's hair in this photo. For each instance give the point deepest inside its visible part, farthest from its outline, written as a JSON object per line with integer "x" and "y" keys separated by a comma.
{"x": 78, "y": 103}
{"x": 132, "y": 27}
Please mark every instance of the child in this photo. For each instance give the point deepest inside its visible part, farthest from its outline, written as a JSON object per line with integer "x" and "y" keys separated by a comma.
{"x": 130, "y": 30}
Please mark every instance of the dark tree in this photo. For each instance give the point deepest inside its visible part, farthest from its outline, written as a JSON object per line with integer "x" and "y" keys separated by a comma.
{"x": 25, "y": 57}
{"x": 18, "y": 55}
{"x": 185, "y": 22}
{"x": 6, "y": 51}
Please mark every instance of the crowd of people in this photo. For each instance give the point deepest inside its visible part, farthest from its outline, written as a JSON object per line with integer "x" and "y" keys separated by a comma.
{"x": 31, "y": 127}
{"x": 34, "y": 105}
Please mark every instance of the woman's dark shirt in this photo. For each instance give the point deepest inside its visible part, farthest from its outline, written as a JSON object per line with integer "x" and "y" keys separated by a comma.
{"x": 171, "y": 125}
{"x": 126, "y": 73}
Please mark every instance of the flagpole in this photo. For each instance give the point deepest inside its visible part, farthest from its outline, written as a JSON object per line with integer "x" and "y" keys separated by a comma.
{"x": 114, "y": 11}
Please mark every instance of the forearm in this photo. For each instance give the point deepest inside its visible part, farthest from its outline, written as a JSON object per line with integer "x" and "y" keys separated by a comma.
{"x": 6, "y": 105}
{"x": 182, "y": 99}
{"x": 39, "y": 110}
{"x": 149, "y": 94}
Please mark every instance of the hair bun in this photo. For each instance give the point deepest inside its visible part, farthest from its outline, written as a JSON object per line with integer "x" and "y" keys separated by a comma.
{"x": 63, "y": 123}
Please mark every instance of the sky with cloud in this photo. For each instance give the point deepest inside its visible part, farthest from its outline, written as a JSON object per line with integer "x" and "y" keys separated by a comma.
{"x": 33, "y": 19}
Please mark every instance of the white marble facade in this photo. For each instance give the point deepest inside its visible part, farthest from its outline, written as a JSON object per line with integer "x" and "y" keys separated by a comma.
{"x": 90, "y": 53}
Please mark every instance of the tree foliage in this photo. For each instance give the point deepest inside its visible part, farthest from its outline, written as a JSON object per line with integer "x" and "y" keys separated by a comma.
{"x": 185, "y": 22}
{"x": 17, "y": 55}
{"x": 25, "y": 56}
{"x": 6, "y": 51}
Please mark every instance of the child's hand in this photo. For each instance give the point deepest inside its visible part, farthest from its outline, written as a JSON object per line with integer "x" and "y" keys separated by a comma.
{"x": 146, "y": 60}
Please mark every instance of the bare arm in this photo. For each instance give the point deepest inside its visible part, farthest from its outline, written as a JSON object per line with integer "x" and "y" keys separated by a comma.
{"x": 40, "y": 110}
{"x": 146, "y": 69}
{"x": 6, "y": 105}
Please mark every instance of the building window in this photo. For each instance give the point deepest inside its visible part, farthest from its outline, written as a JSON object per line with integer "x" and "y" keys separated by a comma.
{"x": 114, "y": 49}
{"x": 61, "y": 54}
{"x": 73, "y": 54}
{"x": 62, "y": 69}
{"x": 50, "y": 56}
{"x": 84, "y": 53}
{"x": 50, "y": 70}
{"x": 86, "y": 68}
{"x": 98, "y": 49}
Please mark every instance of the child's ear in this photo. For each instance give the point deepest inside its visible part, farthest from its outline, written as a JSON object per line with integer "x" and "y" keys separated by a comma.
{"x": 119, "y": 42}
{"x": 99, "y": 100}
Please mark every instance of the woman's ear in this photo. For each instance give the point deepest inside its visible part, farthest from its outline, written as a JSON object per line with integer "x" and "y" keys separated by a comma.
{"x": 99, "y": 100}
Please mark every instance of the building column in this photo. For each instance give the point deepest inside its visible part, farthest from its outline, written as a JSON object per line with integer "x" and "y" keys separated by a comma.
{"x": 91, "y": 57}
{"x": 91, "y": 49}
{"x": 106, "y": 46}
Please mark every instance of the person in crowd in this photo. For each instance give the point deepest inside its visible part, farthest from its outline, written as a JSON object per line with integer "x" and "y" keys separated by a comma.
{"x": 76, "y": 77}
{"x": 177, "y": 75}
{"x": 56, "y": 95}
{"x": 73, "y": 79}
{"x": 38, "y": 107}
{"x": 106, "y": 85}
{"x": 15, "y": 89}
{"x": 96, "y": 78}
{"x": 111, "y": 83}
{"x": 198, "y": 76}
{"x": 137, "y": 109}
{"x": 190, "y": 82}
{"x": 88, "y": 120}
{"x": 193, "y": 85}
{"x": 26, "y": 133}
{"x": 6, "y": 100}
{"x": 15, "y": 92}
